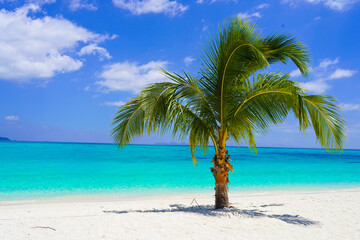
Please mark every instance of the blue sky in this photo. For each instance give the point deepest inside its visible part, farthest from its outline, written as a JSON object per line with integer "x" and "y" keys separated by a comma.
{"x": 65, "y": 66}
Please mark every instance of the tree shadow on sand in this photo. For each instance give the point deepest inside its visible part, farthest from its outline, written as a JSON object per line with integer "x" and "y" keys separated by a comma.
{"x": 208, "y": 210}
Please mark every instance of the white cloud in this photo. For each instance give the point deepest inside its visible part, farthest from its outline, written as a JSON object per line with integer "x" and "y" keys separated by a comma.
{"x": 337, "y": 5}
{"x": 317, "y": 86}
{"x": 188, "y": 60}
{"x": 213, "y": 1}
{"x": 40, "y": 2}
{"x": 38, "y": 48}
{"x": 261, "y": 6}
{"x": 317, "y": 18}
{"x": 342, "y": 73}
{"x": 350, "y": 106}
{"x": 205, "y": 25}
{"x": 247, "y": 15}
{"x": 130, "y": 76}
{"x": 318, "y": 70}
{"x": 295, "y": 73}
{"x": 12, "y": 118}
{"x": 95, "y": 49}
{"x": 254, "y": 13}
{"x": 324, "y": 63}
{"x": 138, "y": 7}
{"x": 323, "y": 74}
{"x": 36, "y": 2}
{"x": 116, "y": 104}
{"x": 81, "y": 4}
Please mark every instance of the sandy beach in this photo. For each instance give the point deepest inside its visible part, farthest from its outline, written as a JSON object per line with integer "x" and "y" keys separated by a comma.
{"x": 257, "y": 215}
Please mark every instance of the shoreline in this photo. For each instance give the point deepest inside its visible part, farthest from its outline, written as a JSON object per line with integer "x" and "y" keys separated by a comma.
{"x": 90, "y": 198}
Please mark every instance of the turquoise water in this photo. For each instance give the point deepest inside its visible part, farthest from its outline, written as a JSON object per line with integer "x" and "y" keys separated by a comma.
{"x": 30, "y": 170}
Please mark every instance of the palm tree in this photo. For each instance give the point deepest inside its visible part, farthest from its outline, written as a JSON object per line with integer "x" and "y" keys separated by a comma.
{"x": 231, "y": 97}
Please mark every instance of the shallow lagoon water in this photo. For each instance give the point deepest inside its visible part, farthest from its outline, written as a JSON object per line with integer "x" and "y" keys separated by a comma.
{"x": 35, "y": 170}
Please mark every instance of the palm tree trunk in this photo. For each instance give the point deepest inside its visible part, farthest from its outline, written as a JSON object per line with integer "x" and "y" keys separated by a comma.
{"x": 220, "y": 172}
{"x": 221, "y": 196}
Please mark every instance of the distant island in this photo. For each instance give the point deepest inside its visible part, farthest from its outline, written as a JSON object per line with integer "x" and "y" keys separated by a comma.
{"x": 4, "y": 139}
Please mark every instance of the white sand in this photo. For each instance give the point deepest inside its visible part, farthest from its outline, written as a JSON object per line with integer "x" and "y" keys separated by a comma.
{"x": 273, "y": 215}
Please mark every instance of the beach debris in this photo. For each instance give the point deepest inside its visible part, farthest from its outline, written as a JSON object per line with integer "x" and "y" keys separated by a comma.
{"x": 45, "y": 228}
{"x": 194, "y": 200}
{"x": 179, "y": 208}
{"x": 272, "y": 205}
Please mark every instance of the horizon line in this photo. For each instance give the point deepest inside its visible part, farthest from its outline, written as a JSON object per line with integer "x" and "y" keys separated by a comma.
{"x": 164, "y": 144}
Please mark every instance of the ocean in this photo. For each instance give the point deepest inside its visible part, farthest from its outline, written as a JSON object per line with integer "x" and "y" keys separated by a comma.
{"x": 38, "y": 170}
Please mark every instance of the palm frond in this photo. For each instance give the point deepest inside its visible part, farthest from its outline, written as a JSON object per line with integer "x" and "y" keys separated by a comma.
{"x": 282, "y": 47}
{"x": 325, "y": 120}
{"x": 163, "y": 107}
{"x": 264, "y": 102}
{"x": 129, "y": 122}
